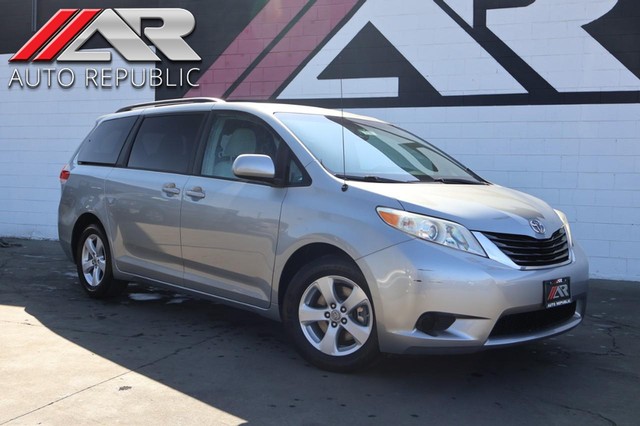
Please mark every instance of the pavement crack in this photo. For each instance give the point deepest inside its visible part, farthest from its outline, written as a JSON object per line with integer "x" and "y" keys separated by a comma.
{"x": 21, "y": 323}
{"x": 614, "y": 344}
{"x": 64, "y": 397}
{"x": 610, "y": 321}
{"x": 613, "y": 350}
{"x": 175, "y": 352}
{"x": 134, "y": 370}
{"x": 582, "y": 410}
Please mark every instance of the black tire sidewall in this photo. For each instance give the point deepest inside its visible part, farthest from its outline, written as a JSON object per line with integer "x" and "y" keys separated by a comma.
{"x": 309, "y": 273}
{"x": 108, "y": 286}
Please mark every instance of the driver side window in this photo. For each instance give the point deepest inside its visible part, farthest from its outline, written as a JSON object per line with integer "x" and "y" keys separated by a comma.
{"x": 232, "y": 136}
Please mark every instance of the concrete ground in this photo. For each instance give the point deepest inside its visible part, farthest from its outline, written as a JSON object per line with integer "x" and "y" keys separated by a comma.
{"x": 153, "y": 357}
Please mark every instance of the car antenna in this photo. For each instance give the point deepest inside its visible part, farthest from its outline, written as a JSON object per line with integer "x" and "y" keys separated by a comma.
{"x": 345, "y": 187}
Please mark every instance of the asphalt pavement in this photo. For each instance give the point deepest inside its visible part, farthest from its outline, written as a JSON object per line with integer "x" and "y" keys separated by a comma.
{"x": 153, "y": 357}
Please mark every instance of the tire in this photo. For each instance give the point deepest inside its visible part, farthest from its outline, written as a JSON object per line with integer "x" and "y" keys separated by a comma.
{"x": 329, "y": 315}
{"x": 93, "y": 260}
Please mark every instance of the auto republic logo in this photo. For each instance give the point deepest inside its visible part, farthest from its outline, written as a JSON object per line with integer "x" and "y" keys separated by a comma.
{"x": 63, "y": 36}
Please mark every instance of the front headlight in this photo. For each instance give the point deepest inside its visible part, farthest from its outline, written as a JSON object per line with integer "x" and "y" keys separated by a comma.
{"x": 565, "y": 222}
{"x": 439, "y": 231}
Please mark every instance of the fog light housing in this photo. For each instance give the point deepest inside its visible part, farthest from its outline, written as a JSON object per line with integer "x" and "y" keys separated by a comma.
{"x": 434, "y": 323}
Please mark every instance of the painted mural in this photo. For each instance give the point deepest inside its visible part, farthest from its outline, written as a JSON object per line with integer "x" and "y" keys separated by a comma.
{"x": 410, "y": 53}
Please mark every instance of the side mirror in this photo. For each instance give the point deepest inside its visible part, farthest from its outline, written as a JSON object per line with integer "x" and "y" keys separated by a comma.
{"x": 254, "y": 166}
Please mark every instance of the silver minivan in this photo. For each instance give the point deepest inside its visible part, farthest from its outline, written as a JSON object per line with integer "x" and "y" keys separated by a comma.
{"x": 359, "y": 236}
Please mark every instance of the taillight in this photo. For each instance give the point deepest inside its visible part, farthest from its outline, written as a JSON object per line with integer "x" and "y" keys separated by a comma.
{"x": 64, "y": 174}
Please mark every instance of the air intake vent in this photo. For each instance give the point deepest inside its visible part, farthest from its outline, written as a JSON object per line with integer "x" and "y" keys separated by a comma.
{"x": 531, "y": 322}
{"x": 532, "y": 252}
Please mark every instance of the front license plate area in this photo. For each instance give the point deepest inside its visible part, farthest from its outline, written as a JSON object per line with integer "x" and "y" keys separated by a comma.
{"x": 557, "y": 292}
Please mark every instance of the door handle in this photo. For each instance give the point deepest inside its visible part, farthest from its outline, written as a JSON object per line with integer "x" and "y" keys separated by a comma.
{"x": 196, "y": 193}
{"x": 170, "y": 189}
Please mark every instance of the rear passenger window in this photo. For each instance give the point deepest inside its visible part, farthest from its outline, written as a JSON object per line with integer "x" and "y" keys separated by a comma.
{"x": 166, "y": 143}
{"x": 104, "y": 143}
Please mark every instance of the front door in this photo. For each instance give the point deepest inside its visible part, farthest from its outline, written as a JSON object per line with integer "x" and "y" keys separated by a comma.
{"x": 229, "y": 225}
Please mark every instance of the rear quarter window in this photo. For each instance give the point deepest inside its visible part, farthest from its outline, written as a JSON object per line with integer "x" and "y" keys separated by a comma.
{"x": 104, "y": 143}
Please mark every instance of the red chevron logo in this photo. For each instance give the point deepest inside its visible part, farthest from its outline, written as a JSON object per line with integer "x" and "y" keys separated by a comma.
{"x": 63, "y": 27}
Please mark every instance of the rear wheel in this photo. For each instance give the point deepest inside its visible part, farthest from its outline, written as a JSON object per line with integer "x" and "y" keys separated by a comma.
{"x": 93, "y": 260}
{"x": 329, "y": 315}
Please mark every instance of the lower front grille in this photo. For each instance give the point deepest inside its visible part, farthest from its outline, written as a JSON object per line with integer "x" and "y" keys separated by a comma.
{"x": 531, "y": 322}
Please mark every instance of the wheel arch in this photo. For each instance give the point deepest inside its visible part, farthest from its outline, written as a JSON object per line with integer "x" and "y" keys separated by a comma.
{"x": 81, "y": 224}
{"x": 303, "y": 256}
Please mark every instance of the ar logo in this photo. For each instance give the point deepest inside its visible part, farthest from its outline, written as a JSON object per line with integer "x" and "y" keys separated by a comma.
{"x": 558, "y": 292}
{"x": 62, "y": 37}
{"x": 418, "y": 53}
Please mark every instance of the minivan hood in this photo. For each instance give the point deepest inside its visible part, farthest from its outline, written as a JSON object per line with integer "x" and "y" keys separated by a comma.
{"x": 487, "y": 208}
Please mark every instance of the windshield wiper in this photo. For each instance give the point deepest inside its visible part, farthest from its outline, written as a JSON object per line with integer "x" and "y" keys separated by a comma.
{"x": 458, "y": 181}
{"x": 369, "y": 178}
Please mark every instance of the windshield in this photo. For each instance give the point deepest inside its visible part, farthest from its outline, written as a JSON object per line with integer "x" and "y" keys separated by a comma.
{"x": 374, "y": 151}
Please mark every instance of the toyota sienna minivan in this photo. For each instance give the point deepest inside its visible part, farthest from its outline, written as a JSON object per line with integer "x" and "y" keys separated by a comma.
{"x": 359, "y": 236}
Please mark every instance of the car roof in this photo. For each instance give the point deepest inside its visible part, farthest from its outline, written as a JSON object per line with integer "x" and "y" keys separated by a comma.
{"x": 210, "y": 104}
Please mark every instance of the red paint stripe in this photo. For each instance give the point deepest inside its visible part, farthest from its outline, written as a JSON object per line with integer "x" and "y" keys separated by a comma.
{"x": 241, "y": 53}
{"x": 67, "y": 34}
{"x": 303, "y": 39}
{"x": 41, "y": 37}
{"x": 552, "y": 293}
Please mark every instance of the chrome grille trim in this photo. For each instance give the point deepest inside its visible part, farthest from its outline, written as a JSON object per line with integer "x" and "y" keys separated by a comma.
{"x": 527, "y": 251}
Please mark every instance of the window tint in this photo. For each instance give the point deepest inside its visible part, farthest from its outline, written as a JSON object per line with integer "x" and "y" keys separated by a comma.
{"x": 104, "y": 143}
{"x": 166, "y": 143}
{"x": 233, "y": 136}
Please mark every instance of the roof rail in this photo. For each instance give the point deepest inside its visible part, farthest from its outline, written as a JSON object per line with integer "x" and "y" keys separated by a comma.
{"x": 169, "y": 102}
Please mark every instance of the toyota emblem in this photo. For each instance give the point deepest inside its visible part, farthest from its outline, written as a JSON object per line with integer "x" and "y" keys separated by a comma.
{"x": 537, "y": 226}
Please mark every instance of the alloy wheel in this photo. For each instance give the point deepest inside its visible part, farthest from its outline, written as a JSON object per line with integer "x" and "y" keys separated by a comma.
{"x": 94, "y": 263}
{"x": 335, "y": 315}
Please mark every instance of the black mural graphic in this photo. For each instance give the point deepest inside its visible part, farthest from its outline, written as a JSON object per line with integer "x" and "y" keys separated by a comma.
{"x": 371, "y": 55}
{"x": 15, "y": 25}
{"x": 368, "y": 55}
{"x": 618, "y": 32}
{"x": 507, "y": 58}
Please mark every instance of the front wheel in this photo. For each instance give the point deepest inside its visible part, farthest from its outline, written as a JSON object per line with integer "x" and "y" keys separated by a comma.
{"x": 93, "y": 261}
{"x": 330, "y": 317}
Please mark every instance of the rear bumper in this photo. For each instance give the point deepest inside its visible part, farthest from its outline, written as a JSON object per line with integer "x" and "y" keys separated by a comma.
{"x": 414, "y": 278}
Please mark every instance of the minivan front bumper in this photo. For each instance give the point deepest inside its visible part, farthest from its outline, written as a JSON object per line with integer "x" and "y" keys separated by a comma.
{"x": 488, "y": 303}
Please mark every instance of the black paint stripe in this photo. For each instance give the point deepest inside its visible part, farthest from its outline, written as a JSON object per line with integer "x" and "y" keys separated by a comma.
{"x": 577, "y": 98}
{"x": 503, "y": 54}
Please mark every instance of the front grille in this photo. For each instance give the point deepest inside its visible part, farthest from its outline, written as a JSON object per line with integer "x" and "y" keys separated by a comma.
{"x": 532, "y": 252}
{"x": 531, "y": 322}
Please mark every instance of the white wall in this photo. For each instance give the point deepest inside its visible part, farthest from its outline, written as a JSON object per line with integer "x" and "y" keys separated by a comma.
{"x": 39, "y": 131}
{"x": 584, "y": 160}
